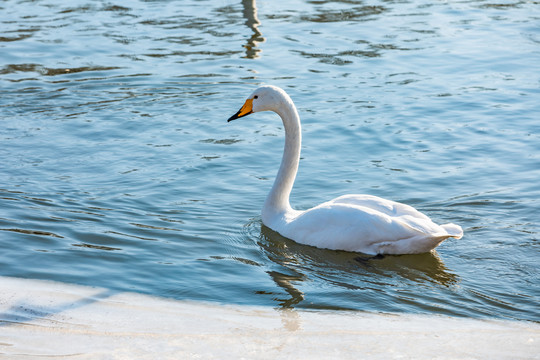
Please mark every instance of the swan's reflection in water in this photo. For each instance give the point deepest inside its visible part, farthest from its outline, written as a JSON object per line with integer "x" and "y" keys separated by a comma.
{"x": 250, "y": 14}
{"x": 300, "y": 267}
{"x": 286, "y": 282}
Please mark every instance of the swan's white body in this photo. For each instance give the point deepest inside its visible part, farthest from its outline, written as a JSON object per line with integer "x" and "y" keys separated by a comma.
{"x": 361, "y": 223}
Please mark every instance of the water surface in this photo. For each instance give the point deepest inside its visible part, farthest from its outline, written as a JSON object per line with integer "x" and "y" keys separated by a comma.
{"x": 118, "y": 168}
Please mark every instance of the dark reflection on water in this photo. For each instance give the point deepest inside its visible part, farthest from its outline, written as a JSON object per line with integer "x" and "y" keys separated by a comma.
{"x": 286, "y": 282}
{"x": 250, "y": 14}
{"x": 354, "y": 13}
{"x": 345, "y": 270}
{"x": 118, "y": 169}
{"x": 8, "y": 69}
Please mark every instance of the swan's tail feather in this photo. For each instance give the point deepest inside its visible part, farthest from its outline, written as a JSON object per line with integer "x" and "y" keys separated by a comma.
{"x": 453, "y": 230}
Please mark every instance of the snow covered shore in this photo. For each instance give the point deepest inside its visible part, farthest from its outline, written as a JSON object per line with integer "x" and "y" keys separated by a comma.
{"x": 43, "y": 319}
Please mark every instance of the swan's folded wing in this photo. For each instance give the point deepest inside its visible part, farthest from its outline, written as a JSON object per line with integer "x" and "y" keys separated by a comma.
{"x": 388, "y": 207}
{"x": 406, "y": 214}
{"x": 353, "y": 227}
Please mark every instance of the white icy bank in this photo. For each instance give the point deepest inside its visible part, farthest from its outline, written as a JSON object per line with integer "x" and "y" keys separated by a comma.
{"x": 42, "y": 319}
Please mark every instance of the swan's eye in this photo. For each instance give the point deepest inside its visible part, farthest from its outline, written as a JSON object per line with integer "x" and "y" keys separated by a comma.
{"x": 256, "y": 97}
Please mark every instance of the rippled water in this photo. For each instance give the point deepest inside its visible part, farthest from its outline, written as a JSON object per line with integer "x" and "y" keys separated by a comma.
{"x": 118, "y": 169}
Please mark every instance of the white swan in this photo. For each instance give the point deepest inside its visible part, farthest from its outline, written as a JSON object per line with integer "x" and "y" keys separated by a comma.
{"x": 360, "y": 223}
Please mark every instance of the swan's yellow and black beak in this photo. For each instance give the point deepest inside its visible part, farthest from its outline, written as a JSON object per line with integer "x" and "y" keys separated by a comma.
{"x": 245, "y": 110}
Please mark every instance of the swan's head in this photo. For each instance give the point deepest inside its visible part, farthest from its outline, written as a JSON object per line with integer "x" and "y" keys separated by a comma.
{"x": 265, "y": 98}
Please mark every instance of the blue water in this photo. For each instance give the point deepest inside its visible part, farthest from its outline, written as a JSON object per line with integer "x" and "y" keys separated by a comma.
{"x": 118, "y": 168}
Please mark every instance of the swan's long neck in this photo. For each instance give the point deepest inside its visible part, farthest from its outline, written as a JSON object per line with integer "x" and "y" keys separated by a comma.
{"x": 277, "y": 201}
